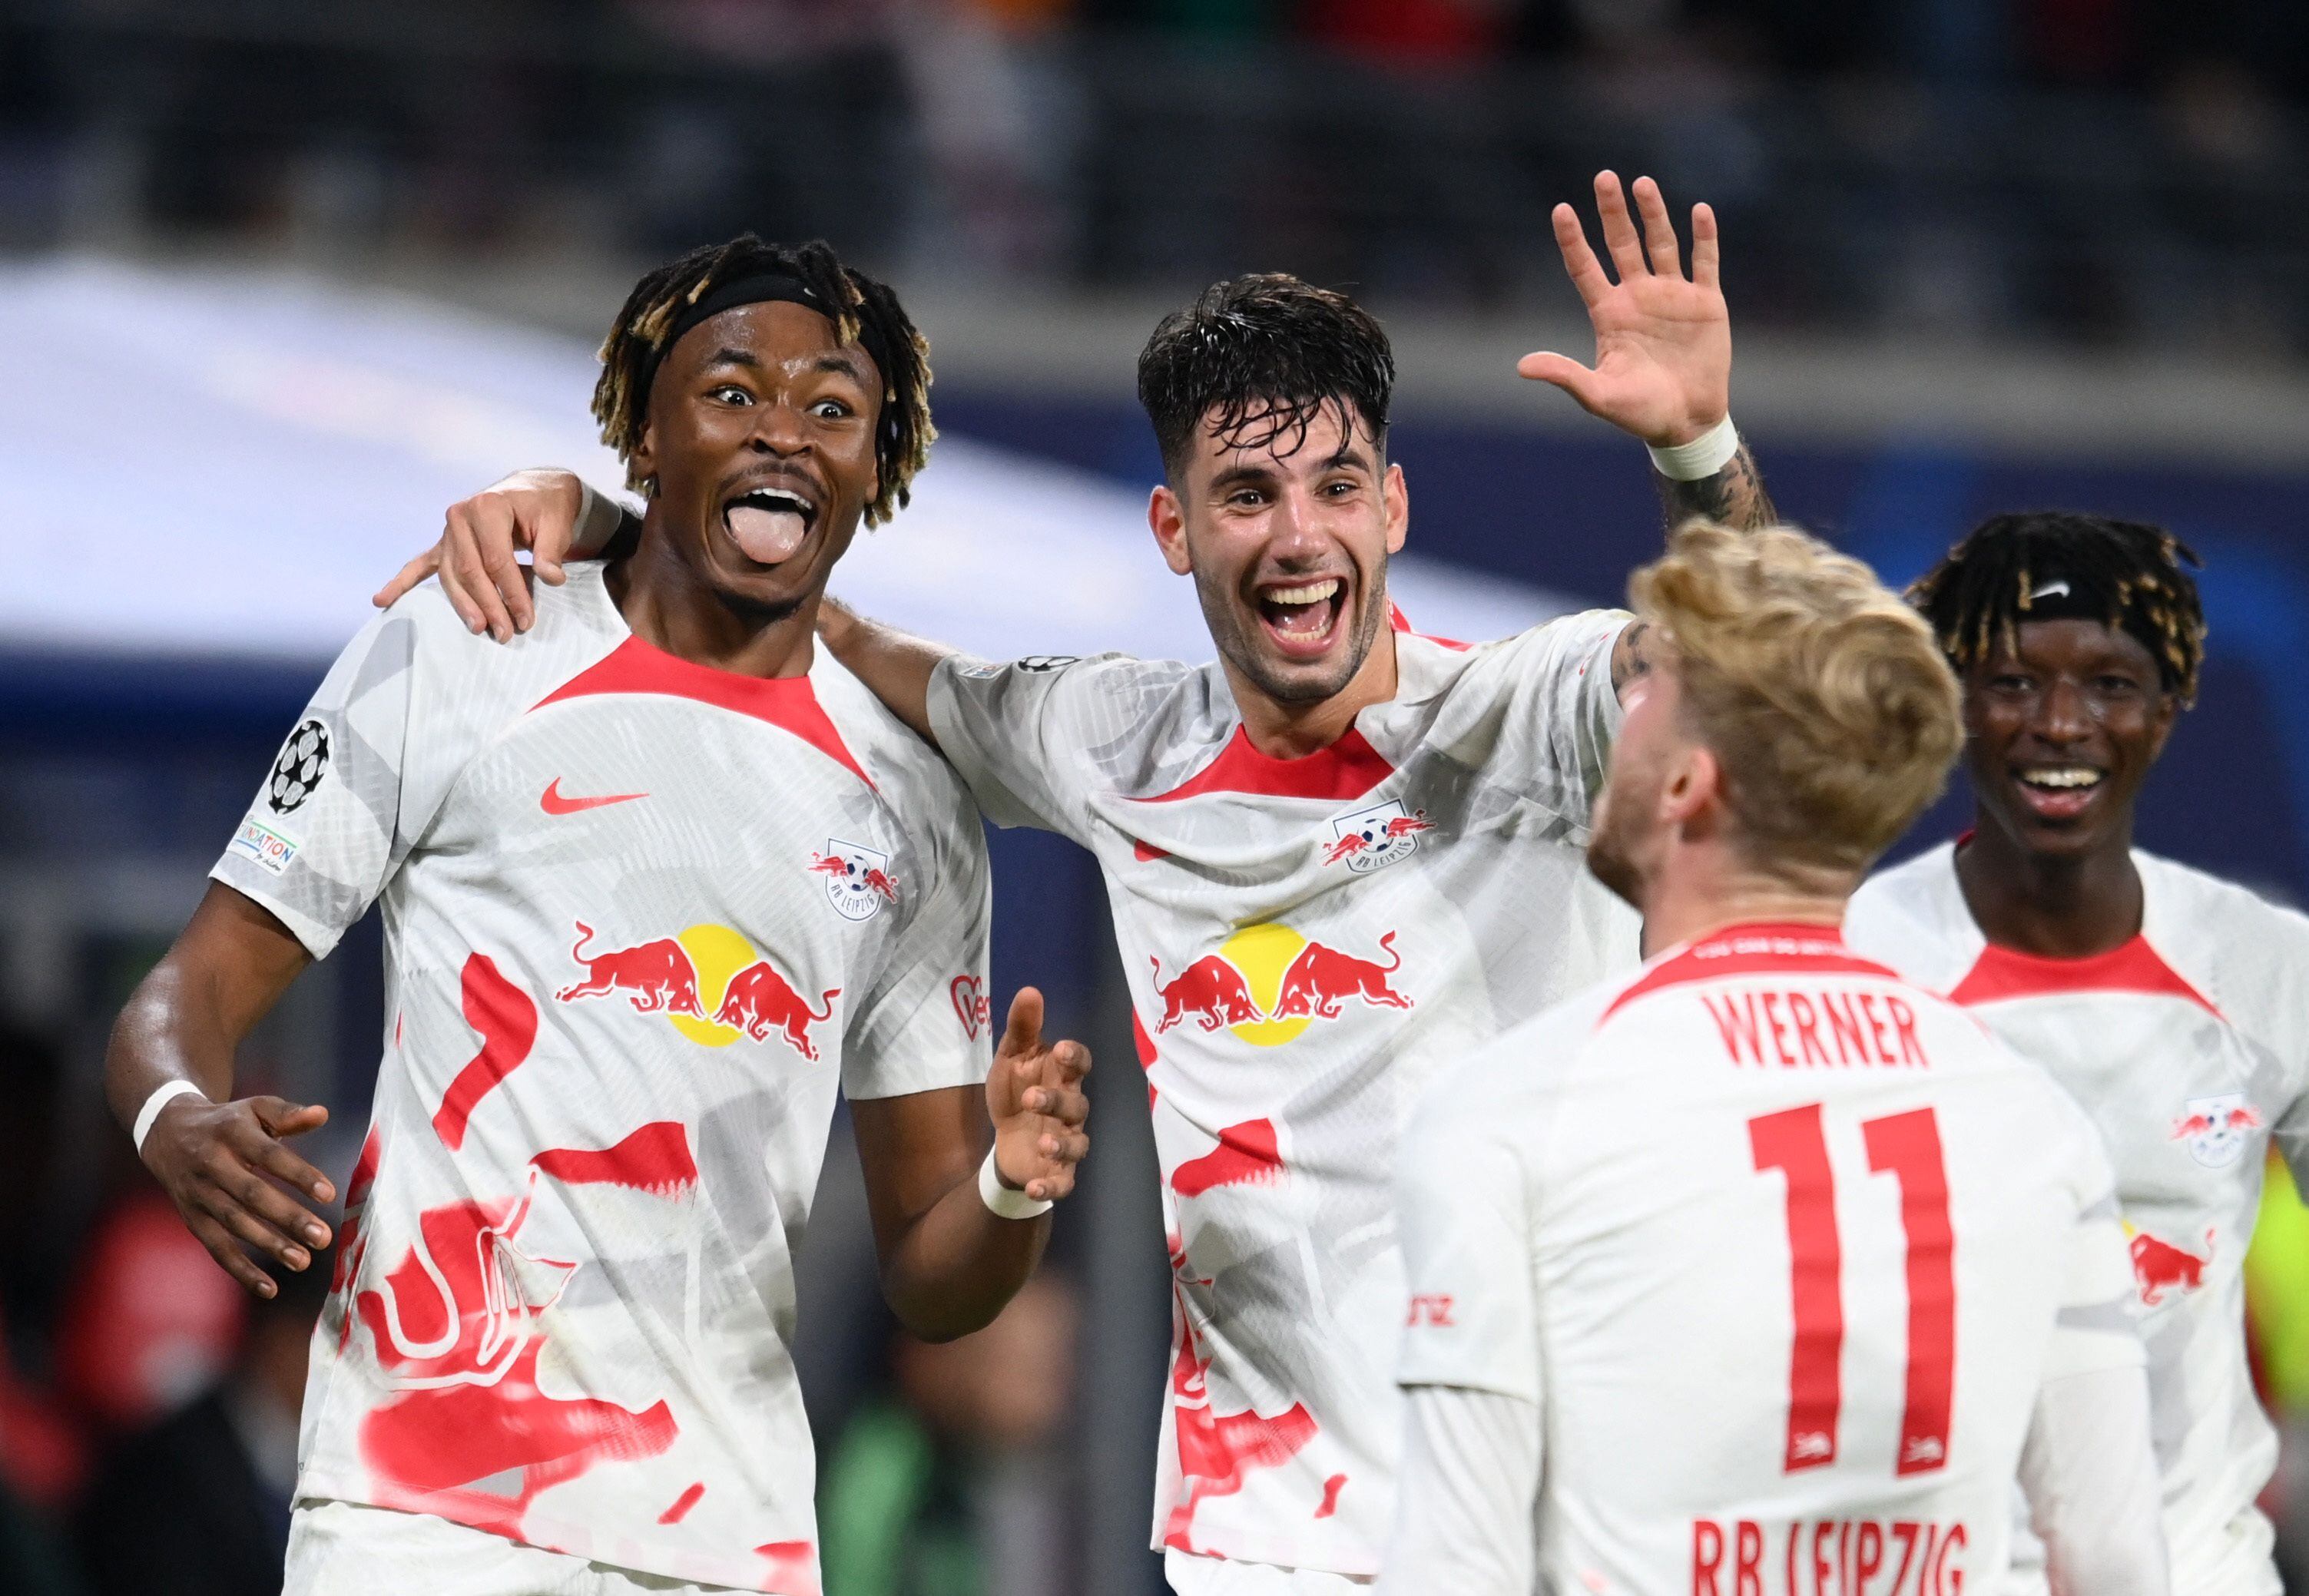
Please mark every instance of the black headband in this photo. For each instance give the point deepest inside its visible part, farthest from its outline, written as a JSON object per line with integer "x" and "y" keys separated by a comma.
{"x": 2053, "y": 595}
{"x": 763, "y": 289}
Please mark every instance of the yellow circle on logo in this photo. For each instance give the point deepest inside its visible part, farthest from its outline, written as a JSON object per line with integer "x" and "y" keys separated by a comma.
{"x": 1263, "y": 952}
{"x": 717, "y": 953}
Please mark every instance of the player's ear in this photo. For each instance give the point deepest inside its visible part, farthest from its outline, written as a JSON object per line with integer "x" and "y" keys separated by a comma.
{"x": 1166, "y": 518}
{"x": 1396, "y": 496}
{"x": 644, "y": 463}
{"x": 1695, "y": 782}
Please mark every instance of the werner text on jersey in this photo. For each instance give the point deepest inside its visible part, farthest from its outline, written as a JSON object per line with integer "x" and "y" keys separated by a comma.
{"x": 1774, "y": 1254}
{"x": 643, "y": 919}
{"x": 1307, "y": 940}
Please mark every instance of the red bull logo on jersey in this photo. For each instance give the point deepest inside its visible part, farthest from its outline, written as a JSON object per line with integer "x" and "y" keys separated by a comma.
{"x": 1373, "y": 838}
{"x": 1267, "y": 982}
{"x": 656, "y": 975}
{"x": 2160, "y": 1269}
{"x": 709, "y": 981}
{"x": 2216, "y": 1130}
{"x": 858, "y": 879}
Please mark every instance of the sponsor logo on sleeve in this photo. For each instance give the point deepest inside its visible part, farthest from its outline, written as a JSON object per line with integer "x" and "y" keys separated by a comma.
{"x": 969, "y": 1004}
{"x": 1431, "y": 1309}
{"x": 268, "y": 850}
{"x": 1044, "y": 664}
{"x": 304, "y": 761}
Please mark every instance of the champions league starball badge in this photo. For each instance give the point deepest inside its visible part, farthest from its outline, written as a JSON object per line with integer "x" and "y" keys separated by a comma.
{"x": 303, "y": 760}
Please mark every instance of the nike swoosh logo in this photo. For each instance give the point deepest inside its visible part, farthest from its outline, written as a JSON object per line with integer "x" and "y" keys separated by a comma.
{"x": 553, "y": 803}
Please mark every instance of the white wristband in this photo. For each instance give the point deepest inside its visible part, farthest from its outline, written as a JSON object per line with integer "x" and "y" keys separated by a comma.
{"x": 150, "y": 1111}
{"x": 1004, "y": 1203}
{"x": 1704, "y": 456}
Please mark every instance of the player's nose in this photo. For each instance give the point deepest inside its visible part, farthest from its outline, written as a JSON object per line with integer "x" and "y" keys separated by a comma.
{"x": 777, "y": 429}
{"x": 2062, "y": 715}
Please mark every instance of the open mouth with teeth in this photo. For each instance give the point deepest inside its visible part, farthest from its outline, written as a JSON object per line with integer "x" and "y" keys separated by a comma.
{"x": 767, "y": 524}
{"x": 1302, "y": 617}
{"x": 2059, "y": 791}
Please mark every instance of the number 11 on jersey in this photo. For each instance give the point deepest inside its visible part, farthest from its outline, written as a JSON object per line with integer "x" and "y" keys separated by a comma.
{"x": 1907, "y": 1146}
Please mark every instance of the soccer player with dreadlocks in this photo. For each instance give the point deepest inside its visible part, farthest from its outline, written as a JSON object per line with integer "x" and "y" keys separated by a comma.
{"x": 2174, "y": 1007}
{"x": 1338, "y": 856}
{"x": 659, "y": 878}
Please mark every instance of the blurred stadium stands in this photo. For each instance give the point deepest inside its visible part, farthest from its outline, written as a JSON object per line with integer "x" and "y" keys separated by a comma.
{"x": 282, "y": 278}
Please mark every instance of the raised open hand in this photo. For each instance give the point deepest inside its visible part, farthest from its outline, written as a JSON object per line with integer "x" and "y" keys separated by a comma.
{"x": 1034, "y": 1095}
{"x": 1662, "y": 366}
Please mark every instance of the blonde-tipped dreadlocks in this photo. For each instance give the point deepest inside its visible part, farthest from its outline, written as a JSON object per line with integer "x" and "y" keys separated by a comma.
{"x": 2054, "y": 565}
{"x": 864, "y": 312}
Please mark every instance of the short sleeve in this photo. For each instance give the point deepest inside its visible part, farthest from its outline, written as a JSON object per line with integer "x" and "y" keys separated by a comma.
{"x": 322, "y": 838}
{"x": 1472, "y": 1319}
{"x": 927, "y": 1023}
{"x": 1564, "y": 713}
{"x": 1016, "y": 732}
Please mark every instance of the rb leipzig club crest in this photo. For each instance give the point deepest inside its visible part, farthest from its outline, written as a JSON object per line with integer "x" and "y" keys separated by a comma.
{"x": 1374, "y": 837}
{"x": 2216, "y": 1129}
{"x": 858, "y": 879}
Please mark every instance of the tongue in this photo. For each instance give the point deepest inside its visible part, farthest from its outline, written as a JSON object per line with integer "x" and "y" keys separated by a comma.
{"x": 2058, "y": 803}
{"x": 767, "y": 537}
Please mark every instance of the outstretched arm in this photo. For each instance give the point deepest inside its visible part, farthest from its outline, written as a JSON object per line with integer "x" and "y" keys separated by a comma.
{"x": 950, "y": 1261}
{"x": 895, "y": 665}
{"x": 222, "y": 1160}
{"x": 1662, "y": 367}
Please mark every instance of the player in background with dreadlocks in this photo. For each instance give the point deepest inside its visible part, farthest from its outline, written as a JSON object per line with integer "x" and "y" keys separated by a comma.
{"x": 2173, "y": 1005}
{"x": 555, "y": 1355}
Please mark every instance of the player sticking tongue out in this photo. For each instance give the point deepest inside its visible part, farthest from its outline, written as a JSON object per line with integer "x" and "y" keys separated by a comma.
{"x": 759, "y": 412}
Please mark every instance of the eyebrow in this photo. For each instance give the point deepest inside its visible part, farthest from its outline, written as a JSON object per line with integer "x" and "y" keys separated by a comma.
{"x": 1237, "y": 475}
{"x": 840, "y": 365}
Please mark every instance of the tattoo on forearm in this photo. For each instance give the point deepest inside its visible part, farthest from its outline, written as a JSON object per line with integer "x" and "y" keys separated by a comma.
{"x": 1735, "y": 495}
{"x": 1629, "y": 660}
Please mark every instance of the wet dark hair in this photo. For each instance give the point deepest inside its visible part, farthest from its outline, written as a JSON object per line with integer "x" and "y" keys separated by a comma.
{"x": 1255, "y": 357}
{"x": 866, "y": 311}
{"x": 2127, "y": 574}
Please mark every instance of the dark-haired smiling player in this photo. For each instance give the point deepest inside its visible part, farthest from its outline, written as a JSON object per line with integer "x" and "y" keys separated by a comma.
{"x": 2173, "y": 1005}
{"x": 1338, "y": 858}
{"x": 658, "y": 879}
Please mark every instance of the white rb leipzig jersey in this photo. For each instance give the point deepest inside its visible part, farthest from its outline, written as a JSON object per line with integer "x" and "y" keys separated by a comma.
{"x": 2188, "y": 1048}
{"x": 1779, "y": 1243}
{"x": 1308, "y": 941}
{"x": 642, "y": 918}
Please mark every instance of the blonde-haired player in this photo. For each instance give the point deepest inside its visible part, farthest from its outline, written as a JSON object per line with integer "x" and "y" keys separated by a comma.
{"x": 1762, "y": 1271}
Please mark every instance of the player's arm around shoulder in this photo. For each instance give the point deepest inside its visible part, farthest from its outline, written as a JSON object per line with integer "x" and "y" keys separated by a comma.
{"x": 1020, "y": 730}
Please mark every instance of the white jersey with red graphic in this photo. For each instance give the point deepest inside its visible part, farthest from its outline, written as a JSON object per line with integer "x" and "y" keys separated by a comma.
{"x": 1308, "y": 941}
{"x": 1783, "y": 1247}
{"x": 643, "y": 917}
{"x": 2189, "y": 1048}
